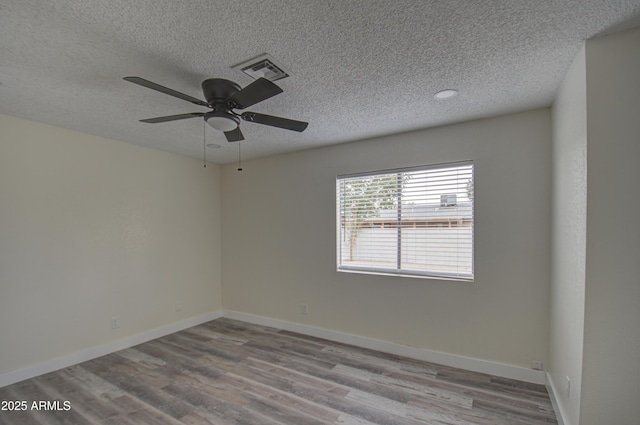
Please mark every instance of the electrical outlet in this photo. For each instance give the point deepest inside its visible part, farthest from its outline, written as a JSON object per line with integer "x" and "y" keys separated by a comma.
{"x": 568, "y": 387}
{"x": 536, "y": 365}
{"x": 304, "y": 309}
{"x": 115, "y": 322}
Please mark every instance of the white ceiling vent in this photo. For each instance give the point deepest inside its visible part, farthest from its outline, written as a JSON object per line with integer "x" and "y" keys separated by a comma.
{"x": 262, "y": 66}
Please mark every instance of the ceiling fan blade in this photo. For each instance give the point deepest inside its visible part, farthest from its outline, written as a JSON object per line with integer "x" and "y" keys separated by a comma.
{"x": 173, "y": 117}
{"x": 234, "y": 135}
{"x": 162, "y": 89}
{"x": 279, "y": 122}
{"x": 261, "y": 89}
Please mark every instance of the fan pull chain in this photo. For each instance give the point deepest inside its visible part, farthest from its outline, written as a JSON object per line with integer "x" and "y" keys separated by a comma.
{"x": 204, "y": 142}
{"x": 239, "y": 158}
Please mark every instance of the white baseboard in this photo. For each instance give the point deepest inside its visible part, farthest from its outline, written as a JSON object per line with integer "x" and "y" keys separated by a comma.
{"x": 552, "y": 390}
{"x": 32, "y": 371}
{"x": 446, "y": 359}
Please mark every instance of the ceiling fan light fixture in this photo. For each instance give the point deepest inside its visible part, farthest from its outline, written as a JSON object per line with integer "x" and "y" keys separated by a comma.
{"x": 222, "y": 120}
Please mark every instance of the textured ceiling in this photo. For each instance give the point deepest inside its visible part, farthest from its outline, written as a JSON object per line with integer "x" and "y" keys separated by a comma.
{"x": 359, "y": 68}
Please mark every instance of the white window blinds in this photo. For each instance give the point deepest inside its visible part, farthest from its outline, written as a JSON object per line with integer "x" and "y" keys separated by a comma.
{"x": 411, "y": 221}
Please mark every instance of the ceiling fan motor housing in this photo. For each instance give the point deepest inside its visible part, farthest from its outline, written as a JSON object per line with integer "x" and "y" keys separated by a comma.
{"x": 218, "y": 90}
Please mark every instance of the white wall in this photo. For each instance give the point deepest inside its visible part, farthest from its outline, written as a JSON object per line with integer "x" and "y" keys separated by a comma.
{"x": 568, "y": 248}
{"x": 595, "y": 290}
{"x": 611, "y": 377}
{"x": 92, "y": 228}
{"x": 280, "y": 247}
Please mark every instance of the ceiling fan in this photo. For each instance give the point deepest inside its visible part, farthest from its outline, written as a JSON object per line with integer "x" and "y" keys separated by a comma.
{"x": 223, "y": 96}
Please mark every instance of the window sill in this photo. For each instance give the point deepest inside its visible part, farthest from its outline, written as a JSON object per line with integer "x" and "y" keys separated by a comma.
{"x": 400, "y": 273}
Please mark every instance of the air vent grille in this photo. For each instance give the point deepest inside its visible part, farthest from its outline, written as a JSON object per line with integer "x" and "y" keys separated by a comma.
{"x": 262, "y": 66}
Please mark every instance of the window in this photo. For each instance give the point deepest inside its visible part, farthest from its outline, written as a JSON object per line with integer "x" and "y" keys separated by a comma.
{"x": 411, "y": 221}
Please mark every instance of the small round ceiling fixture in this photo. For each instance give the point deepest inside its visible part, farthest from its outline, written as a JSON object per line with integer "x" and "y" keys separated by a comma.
{"x": 213, "y": 146}
{"x": 445, "y": 94}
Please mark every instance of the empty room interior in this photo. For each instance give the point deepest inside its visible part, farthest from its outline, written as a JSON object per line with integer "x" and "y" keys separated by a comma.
{"x": 212, "y": 264}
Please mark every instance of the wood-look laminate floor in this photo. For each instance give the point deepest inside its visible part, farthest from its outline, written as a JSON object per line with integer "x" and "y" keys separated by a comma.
{"x": 230, "y": 372}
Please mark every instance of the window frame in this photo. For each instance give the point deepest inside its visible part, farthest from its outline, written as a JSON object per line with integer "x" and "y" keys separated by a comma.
{"x": 399, "y": 270}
